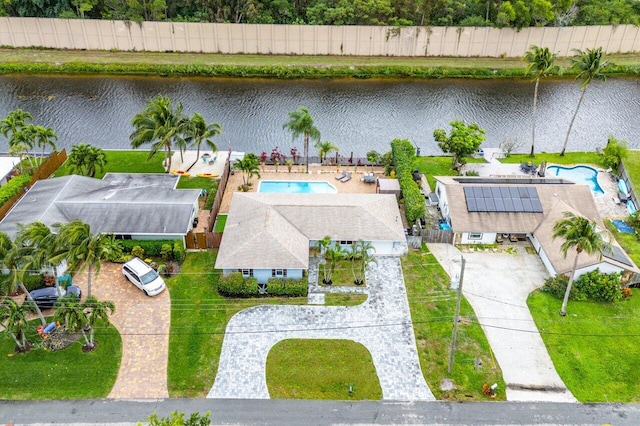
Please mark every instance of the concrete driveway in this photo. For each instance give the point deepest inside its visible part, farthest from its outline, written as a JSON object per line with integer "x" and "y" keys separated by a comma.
{"x": 497, "y": 286}
{"x": 143, "y": 323}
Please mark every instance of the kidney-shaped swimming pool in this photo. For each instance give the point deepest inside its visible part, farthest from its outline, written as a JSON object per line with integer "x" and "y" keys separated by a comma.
{"x": 579, "y": 174}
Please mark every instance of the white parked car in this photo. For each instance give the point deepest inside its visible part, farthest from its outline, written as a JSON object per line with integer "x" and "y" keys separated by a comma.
{"x": 143, "y": 276}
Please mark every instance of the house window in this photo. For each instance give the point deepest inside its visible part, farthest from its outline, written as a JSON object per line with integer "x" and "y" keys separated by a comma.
{"x": 279, "y": 273}
{"x": 246, "y": 272}
{"x": 346, "y": 242}
{"x": 475, "y": 235}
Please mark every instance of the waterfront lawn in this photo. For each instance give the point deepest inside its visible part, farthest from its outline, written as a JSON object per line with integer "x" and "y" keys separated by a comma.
{"x": 294, "y": 370}
{"x": 199, "y": 316}
{"x": 125, "y": 161}
{"x": 629, "y": 242}
{"x": 569, "y": 158}
{"x": 42, "y": 374}
{"x": 595, "y": 347}
{"x": 432, "y": 305}
{"x": 435, "y": 166}
{"x": 632, "y": 166}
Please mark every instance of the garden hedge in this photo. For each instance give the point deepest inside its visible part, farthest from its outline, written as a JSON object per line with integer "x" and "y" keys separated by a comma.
{"x": 404, "y": 159}
{"x": 235, "y": 285}
{"x": 287, "y": 287}
{"x": 12, "y": 187}
{"x": 152, "y": 247}
{"x": 593, "y": 286}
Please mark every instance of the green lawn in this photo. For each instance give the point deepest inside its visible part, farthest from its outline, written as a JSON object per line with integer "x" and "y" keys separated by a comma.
{"x": 435, "y": 166}
{"x": 629, "y": 242}
{"x": 595, "y": 347}
{"x": 342, "y": 275}
{"x": 432, "y": 305}
{"x": 125, "y": 161}
{"x": 321, "y": 369}
{"x": 344, "y": 299}
{"x": 41, "y": 374}
{"x": 221, "y": 221}
{"x": 199, "y": 316}
{"x": 569, "y": 158}
{"x": 632, "y": 166}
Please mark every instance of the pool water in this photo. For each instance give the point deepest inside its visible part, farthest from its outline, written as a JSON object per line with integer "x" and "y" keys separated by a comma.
{"x": 631, "y": 207}
{"x": 296, "y": 187}
{"x": 579, "y": 174}
{"x": 622, "y": 186}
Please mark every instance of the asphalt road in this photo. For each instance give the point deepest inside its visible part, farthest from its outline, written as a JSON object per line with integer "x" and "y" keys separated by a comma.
{"x": 284, "y": 412}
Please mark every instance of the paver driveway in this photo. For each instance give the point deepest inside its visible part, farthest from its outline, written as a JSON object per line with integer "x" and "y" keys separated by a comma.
{"x": 497, "y": 286}
{"x": 382, "y": 324}
{"x": 143, "y": 323}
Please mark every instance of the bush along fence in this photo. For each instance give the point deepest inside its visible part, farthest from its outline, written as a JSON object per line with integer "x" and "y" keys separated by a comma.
{"x": 165, "y": 249}
{"x": 404, "y": 159}
{"x": 235, "y": 285}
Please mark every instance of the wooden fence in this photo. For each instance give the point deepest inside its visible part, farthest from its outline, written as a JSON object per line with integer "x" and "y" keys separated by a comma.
{"x": 215, "y": 208}
{"x": 201, "y": 240}
{"x": 43, "y": 171}
{"x": 436, "y": 236}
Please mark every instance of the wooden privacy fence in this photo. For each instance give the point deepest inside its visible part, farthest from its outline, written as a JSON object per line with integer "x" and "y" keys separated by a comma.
{"x": 215, "y": 208}
{"x": 43, "y": 171}
{"x": 436, "y": 236}
{"x": 203, "y": 240}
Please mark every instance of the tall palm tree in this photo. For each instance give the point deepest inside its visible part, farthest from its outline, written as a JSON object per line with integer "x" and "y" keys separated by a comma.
{"x": 70, "y": 312}
{"x": 14, "y": 318}
{"x": 591, "y": 65}
{"x": 14, "y": 122}
{"x": 41, "y": 245}
{"x": 97, "y": 311}
{"x": 325, "y": 148}
{"x": 248, "y": 166}
{"x": 82, "y": 249}
{"x": 579, "y": 233}
{"x": 301, "y": 123}
{"x": 198, "y": 130}
{"x": 43, "y": 137}
{"x": 159, "y": 123}
{"x": 363, "y": 251}
{"x": 541, "y": 63}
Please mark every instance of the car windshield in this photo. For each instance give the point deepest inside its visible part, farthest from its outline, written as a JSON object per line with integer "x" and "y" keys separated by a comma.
{"x": 148, "y": 277}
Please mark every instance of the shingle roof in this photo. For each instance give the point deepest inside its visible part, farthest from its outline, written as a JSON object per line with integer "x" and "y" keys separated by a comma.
{"x": 273, "y": 230}
{"x": 121, "y": 206}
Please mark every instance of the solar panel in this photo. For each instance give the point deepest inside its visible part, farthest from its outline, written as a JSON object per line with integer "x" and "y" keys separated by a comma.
{"x": 617, "y": 254}
{"x": 515, "y": 199}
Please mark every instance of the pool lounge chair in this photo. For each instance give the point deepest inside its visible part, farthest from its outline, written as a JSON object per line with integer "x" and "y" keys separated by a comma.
{"x": 341, "y": 175}
{"x": 347, "y": 178}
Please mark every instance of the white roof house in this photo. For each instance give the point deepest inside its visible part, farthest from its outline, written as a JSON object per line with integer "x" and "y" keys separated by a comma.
{"x": 138, "y": 205}
{"x": 276, "y": 230}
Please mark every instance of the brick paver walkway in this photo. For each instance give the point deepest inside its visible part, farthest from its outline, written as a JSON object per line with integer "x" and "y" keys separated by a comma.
{"x": 143, "y": 323}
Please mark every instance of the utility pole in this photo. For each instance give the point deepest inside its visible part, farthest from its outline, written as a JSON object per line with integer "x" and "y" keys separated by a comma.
{"x": 456, "y": 319}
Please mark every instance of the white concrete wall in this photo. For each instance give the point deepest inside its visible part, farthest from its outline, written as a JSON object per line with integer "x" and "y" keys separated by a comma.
{"x": 485, "y": 238}
{"x": 546, "y": 262}
{"x": 311, "y": 39}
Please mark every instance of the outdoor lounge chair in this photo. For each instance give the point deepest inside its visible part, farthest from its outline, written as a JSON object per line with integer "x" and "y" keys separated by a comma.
{"x": 341, "y": 175}
{"x": 346, "y": 178}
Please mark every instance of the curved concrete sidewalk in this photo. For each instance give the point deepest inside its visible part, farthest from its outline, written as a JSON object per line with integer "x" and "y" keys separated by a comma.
{"x": 497, "y": 286}
{"x": 143, "y": 323}
{"x": 382, "y": 324}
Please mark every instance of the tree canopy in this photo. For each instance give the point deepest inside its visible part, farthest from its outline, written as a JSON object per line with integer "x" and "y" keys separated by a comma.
{"x": 463, "y": 140}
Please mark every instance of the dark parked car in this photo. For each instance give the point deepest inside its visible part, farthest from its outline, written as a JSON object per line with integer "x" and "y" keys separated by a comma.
{"x": 46, "y": 297}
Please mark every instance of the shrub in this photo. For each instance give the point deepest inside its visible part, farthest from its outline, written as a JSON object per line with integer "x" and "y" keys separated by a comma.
{"x": 120, "y": 258}
{"x": 599, "y": 287}
{"x": 166, "y": 252}
{"x": 152, "y": 248}
{"x": 404, "y": 159}
{"x": 178, "y": 251}
{"x": 235, "y": 285}
{"x": 556, "y": 286}
{"x": 137, "y": 251}
{"x": 31, "y": 282}
{"x": 626, "y": 292}
{"x": 287, "y": 287}
{"x": 14, "y": 186}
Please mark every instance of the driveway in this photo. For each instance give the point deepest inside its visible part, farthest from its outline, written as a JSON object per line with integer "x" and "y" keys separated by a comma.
{"x": 382, "y": 324}
{"x": 497, "y": 286}
{"x": 143, "y": 323}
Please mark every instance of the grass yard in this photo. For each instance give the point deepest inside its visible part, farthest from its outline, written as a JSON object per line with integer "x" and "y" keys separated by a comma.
{"x": 342, "y": 275}
{"x": 221, "y": 221}
{"x": 199, "y": 316}
{"x": 41, "y": 374}
{"x": 344, "y": 299}
{"x": 125, "y": 161}
{"x": 629, "y": 242}
{"x": 435, "y": 166}
{"x": 632, "y": 166}
{"x": 321, "y": 369}
{"x": 595, "y": 347}
{"x": 569, "y": 158}
{"x": 432, "y": 305}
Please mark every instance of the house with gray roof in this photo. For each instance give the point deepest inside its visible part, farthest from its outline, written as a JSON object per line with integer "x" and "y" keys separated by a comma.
{"x": 138, "y": 206}
{"x": 269, "y": 235}
{"x": 488, "y": 210}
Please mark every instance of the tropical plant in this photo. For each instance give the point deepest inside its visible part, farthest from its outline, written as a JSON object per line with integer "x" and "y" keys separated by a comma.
{"x": 82, "y": 249}
{"x": 541, "y": 64}
{"x": 41, "y": 245}
{"x": 85, "y": 159}
{"x": 581, "y": 234}
{"x": 301, "y": 123}
{"x": 332, "y": 255}
{"x": 325, "y": 148}
{"x": 70, "y": 313}
{"x": 462, "y": 141}
{"x": 362, "y": 256}
{"x": 613, "y": 154}
{"x": 591, "y": 65}
{"x": 160, "y": 123}
{"x": 97, "y": 312}
{"x": 177, "y": 419}
{"x": 373, "y": 157}
{"x": 43, "y": 137}
{"x": 14, "y": 319}
{"x": 248, "y": 165}
{"x": 14, "y": 122}
{"x": 197, "y": 131}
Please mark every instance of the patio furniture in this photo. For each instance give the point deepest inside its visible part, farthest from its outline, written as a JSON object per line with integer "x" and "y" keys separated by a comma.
{"x": 341, "y": 175}
{"x": 369, "y": 178}
{"x": 347, "y": 178}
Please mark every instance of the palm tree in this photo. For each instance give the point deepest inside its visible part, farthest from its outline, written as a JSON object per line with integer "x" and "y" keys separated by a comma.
{"x": 85, "y": 159}
{"x": 43, "y": 137}
{"x": 21, "y": 142}
{"x": 82, "y": 249}
{"x": 579, "y": 233}
{"x": 324, "y": 148}
{"x": 249, "y": 167}
{"x": 96, "y": 312}
{"x": 14, "y": 122}
{"x": 198, "y": 131}
{"x": 71, "y": 312}
{"x": 301, "y": 123}
{"x": 41, "y": 245}
{"x": 161, "y": 124}
{"x": 363, "y": 256}
{"x": 541, "y": 63}
{"x": 590, "y": 64}
{"x": 14, "y": 318}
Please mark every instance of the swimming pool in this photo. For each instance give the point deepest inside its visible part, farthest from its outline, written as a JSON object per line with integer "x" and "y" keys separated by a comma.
{"x": 579, "y": 174}
{"x": 622, "y": 186}
{"x": 631, "y": 207}
{"x": 296, "y": 187}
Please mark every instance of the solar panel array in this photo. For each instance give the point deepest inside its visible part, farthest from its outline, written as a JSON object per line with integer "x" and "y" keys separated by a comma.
{"x": 502, "y": 199}
{"x": 616, "y": 253}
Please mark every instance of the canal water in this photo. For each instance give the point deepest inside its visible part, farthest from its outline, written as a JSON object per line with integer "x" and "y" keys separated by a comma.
{"x": 356, "y": 115}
